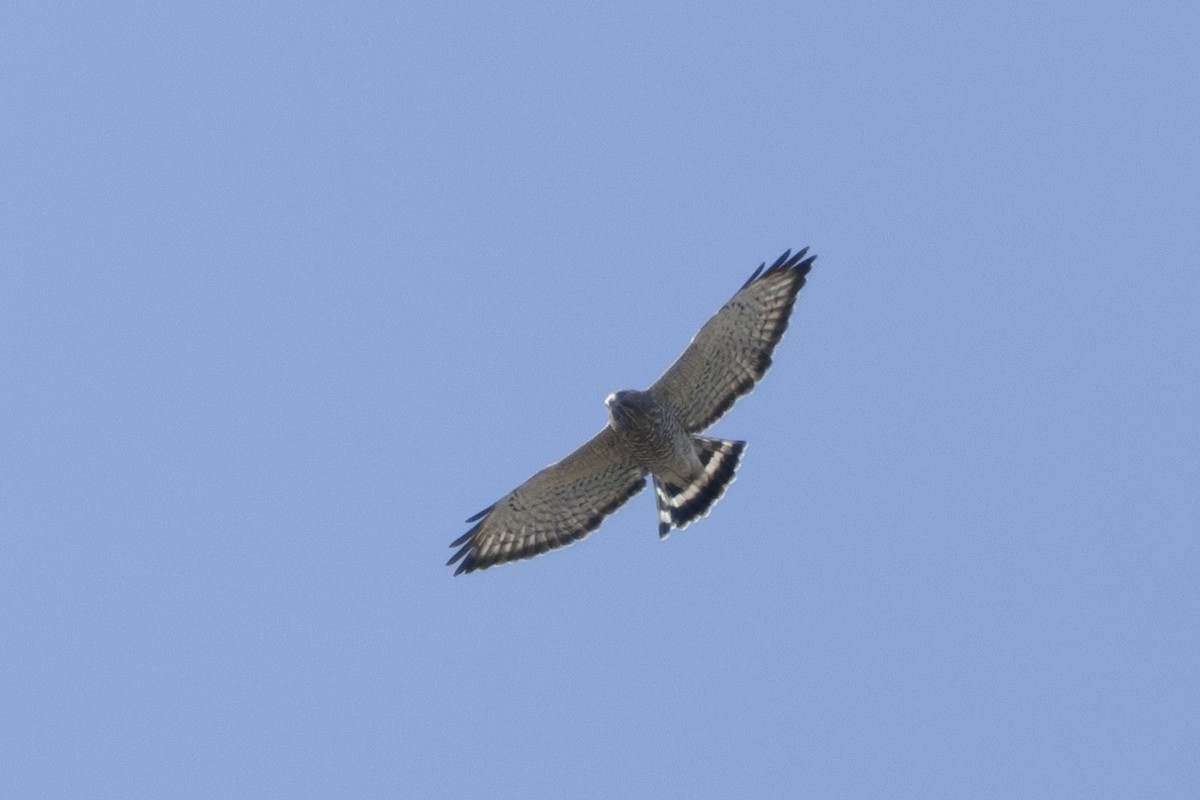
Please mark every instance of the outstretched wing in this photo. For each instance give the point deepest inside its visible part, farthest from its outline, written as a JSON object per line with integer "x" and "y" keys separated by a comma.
{"x": 733, "y": 349}
{"x": 556, "y": 507}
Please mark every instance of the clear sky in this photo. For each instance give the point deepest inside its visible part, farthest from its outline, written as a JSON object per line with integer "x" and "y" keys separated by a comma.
{"x": 290, "y": 290}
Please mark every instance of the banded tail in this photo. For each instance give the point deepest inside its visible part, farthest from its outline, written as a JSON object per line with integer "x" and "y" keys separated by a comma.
{"x": 680, "y": 506}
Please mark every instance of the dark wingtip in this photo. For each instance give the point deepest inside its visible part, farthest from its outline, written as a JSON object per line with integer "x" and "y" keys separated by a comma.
{"x": 780, "y": 262}
{"x": 465, "y": 543}
{"x": 469, "y": 564}
{"x": 481, "y": 514}
{"x": 474, "y": 528}
{"x": 787, "y": 261}
{"x": 803, "y": 266}
{"x": 755, "y": 275}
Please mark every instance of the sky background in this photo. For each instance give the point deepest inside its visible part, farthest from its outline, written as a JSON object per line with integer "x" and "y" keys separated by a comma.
{"x": 290, "y": 290}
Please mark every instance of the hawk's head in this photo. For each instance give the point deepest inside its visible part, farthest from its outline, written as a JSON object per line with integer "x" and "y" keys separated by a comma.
{"x": 626, "y": 406}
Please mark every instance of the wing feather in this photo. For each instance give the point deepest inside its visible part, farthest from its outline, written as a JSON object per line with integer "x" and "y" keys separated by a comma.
{"x": 556, "y": 507}
{"x": 732, "y": 352}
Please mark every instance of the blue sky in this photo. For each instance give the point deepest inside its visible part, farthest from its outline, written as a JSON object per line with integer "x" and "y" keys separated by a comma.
{"x": 291, "y": 290}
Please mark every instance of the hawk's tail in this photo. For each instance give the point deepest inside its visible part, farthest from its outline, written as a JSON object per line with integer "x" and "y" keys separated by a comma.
{"x": 680, "y": 506}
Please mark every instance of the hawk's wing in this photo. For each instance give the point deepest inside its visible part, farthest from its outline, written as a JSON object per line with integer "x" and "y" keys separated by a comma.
{"x": 733, "y": 349}
{"x": 556, "y": 507}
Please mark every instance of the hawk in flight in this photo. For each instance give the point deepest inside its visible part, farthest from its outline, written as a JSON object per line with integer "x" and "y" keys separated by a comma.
{"x": 654, "y": 432}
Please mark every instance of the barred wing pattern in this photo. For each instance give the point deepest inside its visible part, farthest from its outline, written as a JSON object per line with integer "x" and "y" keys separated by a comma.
{"x": 733, "y": 349}
{"x": 556, "y": 507}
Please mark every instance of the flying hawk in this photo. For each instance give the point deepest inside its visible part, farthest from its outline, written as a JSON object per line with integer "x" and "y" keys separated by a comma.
{"x": 655, "y": 432}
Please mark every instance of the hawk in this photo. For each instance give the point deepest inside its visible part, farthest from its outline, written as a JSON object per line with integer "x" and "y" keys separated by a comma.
{"x": 654, "y": 432}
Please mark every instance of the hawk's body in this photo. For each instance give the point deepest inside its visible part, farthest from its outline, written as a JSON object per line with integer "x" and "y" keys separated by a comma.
{"x": 652, "y": 432}
{"x": 653, "y": 435}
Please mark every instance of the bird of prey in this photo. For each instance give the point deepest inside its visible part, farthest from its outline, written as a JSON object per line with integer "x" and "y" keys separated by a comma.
{"x": 654, "y": 432}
